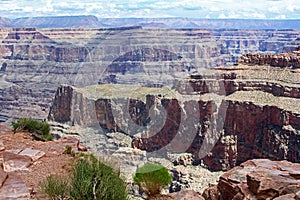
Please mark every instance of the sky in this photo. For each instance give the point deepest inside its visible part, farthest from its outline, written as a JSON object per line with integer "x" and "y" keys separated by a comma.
{"x": 254, "y": 9}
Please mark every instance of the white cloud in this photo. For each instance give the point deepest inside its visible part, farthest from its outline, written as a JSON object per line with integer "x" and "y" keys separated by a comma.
{"x": 274, "y": 9}
{"x": 277, "y": 9}
{"x": 222, "y": 16}
{"x": 280, "y": 17}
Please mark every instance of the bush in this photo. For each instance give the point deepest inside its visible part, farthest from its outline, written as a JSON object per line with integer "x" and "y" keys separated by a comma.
{"x": 40, "y": 129}
{"x": 93, "y": 179}
{"x": 90, "y": 179}
{"x": 151, "y": 178}
{"x": 55, "y": 187}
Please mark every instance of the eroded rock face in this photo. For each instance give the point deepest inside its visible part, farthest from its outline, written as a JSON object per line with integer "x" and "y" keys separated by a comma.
{"x": 34, "y": 62}
{"x": 258, "y": 179}
{"x": 223, "y": 117}
{"x": 282, "y": 60}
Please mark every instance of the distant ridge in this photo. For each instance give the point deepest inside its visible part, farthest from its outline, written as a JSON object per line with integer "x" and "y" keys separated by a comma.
{"x": 5, "y": 22}
{"x": 203, "y": 23}
{"x": 90, "y": 21}
{"x": 58, "y": 22}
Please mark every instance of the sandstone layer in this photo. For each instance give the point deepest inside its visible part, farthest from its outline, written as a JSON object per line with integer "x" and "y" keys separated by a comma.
{"x": 223, "y": 116}
{"x": 290, "y": 59}
{"x": 34, "y": 62}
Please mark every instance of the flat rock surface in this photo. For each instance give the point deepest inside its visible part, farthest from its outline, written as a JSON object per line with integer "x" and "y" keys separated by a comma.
{"x": 44, "y": 157}
{"x": 14, "y": 162}
{"x": 14, "y": 188}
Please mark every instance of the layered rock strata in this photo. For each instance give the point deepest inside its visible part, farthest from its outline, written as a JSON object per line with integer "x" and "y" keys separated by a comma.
{"x": 290, "y": 59}
{"x": 222, "y": 116}
{"x": 34, "y": 62}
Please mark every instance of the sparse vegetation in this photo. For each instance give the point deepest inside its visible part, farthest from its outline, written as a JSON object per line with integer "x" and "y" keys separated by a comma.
{"x": 69, "y": 151}
{"x": 55, "y": 187}
{"x": 151, "y": 178}
{"x": 90, "y": 179}
{"x": 40, "y": 130}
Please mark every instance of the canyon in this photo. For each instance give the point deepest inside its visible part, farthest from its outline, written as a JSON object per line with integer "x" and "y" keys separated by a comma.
{"x": 186, "y": 98}
{"x": 34, "y": 62}
{"x": 223, "y": 117}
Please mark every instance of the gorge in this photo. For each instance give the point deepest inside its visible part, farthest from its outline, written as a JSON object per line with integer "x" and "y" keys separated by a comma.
{"x": 185, "y": 97}
{"x": 34, "y": 62}
{"x": 235, "y": 113}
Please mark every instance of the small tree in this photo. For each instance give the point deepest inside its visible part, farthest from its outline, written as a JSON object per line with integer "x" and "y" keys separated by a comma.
{"x": 151, "y": 178}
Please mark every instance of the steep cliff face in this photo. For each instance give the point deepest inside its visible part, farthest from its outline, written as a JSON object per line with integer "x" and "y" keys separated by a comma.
{"x": 283, "y": 60}
{"x": 222, "y": 116}
{"x": 34, "y": 62}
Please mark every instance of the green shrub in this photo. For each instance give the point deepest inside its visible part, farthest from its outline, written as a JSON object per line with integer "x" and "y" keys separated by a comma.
{"x": 40, "y": 129}
{"x": 90, "y": 179}
{"x": 68, "y": 149}
{"x": 151, "y": 178}
{"x": 55, "y": 187}
{"x": 93, "y": 179}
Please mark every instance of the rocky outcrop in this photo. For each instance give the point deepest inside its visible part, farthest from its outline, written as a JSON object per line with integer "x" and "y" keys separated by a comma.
{"x": 223, "y": 116}
{"x": 258, "y": 179}
{"x": 34, "y": 62}
{"x": 283, "y": 60}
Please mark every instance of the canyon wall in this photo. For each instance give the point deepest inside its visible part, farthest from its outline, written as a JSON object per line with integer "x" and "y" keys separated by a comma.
{"x": 34, "y": 62}
{"x": 283, "y": 60}
{"x": 223, "y": 116}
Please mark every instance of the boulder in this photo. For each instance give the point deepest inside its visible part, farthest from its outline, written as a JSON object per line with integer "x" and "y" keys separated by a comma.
{"x": 258, "y": 179}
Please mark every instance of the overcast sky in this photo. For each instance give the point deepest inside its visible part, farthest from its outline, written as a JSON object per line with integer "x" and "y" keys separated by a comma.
{"x": 258, "y": 9}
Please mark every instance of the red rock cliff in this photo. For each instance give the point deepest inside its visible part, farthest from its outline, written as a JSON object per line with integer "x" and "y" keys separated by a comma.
{"x": 222, "y": 116}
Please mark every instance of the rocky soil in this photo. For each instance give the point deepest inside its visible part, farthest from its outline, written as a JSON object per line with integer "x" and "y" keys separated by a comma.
{"x": 26, "y": 162}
